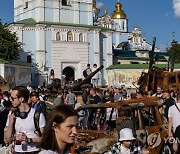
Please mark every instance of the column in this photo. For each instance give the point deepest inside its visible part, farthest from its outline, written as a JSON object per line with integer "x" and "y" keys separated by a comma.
{"x": 39, "y": 10}
{"x": 40, "y": 47}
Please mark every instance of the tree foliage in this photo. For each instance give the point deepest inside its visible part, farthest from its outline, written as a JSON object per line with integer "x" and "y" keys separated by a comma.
{"x": 9, "y": 46}
{"x": 175, "y": 49}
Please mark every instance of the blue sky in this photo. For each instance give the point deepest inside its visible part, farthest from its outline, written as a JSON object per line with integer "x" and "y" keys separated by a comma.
{"x": 157, "y": 18}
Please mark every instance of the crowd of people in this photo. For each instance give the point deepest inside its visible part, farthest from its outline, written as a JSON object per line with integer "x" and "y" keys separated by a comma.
{"x": 23, "y": 118}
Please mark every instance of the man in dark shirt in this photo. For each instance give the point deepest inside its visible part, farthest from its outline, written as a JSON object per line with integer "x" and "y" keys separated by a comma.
{"x": 168, "y": 101}
{"x": 94, "y": 98}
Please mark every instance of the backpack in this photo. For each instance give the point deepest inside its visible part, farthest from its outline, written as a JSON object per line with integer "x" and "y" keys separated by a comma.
{"x": 36, "y": 123}
{"x": 85, "y": 73}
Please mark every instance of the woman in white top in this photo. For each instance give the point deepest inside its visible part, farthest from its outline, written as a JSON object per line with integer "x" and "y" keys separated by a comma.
{"x": 60, "y": 130}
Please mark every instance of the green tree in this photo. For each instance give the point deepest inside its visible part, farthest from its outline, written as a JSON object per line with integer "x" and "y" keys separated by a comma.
{"x": 175, "y": 50}
{"x": 9, "y": 45}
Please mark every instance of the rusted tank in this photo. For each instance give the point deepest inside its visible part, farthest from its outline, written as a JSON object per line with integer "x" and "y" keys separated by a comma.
{"x": 76, "y": 86}
{"x": 99, "y": 141}
{"x": 159, "y": 78}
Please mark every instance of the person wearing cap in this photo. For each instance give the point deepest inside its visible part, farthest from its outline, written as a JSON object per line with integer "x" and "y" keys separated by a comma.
{"x": 124, "y": 145}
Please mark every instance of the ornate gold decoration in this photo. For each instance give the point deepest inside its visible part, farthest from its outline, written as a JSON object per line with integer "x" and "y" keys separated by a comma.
{"x": 119, "y": 13}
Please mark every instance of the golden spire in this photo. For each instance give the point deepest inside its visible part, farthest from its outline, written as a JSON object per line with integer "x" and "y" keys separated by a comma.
{"x": 105, "y": 11}
{"x": 119, "y": 13}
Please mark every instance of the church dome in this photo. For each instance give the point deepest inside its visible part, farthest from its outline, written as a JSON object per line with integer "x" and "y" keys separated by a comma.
{"x": 119, "y": 13}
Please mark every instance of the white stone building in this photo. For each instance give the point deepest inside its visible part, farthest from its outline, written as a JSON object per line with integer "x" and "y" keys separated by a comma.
{"x": 60, "y": 35}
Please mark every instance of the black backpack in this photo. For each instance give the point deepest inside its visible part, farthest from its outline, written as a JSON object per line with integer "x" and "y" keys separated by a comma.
{"x": 85, "y": 73}
{"x": 36, "y": 122}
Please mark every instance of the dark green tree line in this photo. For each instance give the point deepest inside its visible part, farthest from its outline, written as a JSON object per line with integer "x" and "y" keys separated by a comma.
{"x": 9, "y": 46}
{"x": 175, "y": 51}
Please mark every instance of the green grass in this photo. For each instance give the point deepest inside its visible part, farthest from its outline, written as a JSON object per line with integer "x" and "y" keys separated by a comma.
{"x": 139, "y": 66}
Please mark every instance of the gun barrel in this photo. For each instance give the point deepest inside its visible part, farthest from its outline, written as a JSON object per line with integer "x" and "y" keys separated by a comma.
{"x": 88, "y": 77}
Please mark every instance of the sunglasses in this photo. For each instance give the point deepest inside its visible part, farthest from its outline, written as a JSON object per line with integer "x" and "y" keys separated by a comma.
{"x": 13, "y": 98}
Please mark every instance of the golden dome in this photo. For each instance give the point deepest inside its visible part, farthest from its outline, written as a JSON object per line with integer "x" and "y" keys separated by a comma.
{"x": 119, "y": 13}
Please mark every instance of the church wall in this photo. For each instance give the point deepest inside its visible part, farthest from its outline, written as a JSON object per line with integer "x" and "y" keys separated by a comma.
{"x": 29, "y": 45}
{"x": 49, "y": 14}
{"x": 94, "y": 47}
{"x": 48, "y": 43}
{"x": 72, "y": 54}
{"x": 83, "y": 14}
{"x": 48, "y": 3}
{"x": 124, "y": 37}
{"x": 91, "y": 50}
{"x": 83, "y": 18}
{"x": 66, "y": 16}
{"x": 105, "y": 53}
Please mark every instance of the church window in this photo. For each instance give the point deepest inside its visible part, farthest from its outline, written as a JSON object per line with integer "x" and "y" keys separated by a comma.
{"x": 123, "y": 25}
{"x": 58, "y": 37}
{"x": 64, "y": 2}
{"x": 69, "y": 36}
{"x": 81, "y": 37}
{"x": 25, "y": 4}
{"x": 69, "y": 2}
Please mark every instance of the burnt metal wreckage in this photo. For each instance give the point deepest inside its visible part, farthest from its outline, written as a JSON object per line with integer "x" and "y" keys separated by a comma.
{"x": 151, "y": 125}
{"x": 158, "y": 77}
{"x": 151, "y": 135}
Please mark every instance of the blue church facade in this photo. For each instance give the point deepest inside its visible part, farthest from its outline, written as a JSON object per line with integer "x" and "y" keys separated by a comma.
{"x": 60, "y": 35}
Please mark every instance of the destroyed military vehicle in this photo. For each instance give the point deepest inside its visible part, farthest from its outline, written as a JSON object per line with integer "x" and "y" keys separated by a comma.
{"x": 159, "y": 78}
{"x": 151, "y": 135}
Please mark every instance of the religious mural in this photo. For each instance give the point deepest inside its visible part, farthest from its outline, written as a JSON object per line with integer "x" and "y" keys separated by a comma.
{"x": 9, "y": 75}
{"x": 128, "y": 77}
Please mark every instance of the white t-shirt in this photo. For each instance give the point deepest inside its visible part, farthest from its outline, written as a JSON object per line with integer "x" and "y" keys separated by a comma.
{"x": 27, "y": 126}
{"x": 47, "y": 152}
{"x": 50, "y": 152}
{"x": 175, "y": 114}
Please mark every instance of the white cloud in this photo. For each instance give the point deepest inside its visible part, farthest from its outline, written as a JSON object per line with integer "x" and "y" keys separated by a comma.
{"x": 176, "y": 7}
{"x": 99, "y": 5}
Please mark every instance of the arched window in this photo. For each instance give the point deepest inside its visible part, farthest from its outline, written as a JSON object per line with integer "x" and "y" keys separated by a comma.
{"x": 58, "y": 37}
{"x": 81, "y": 37}
{"x": 123, "y": 25}
{"x": 64, "y": 2}
{"x": 26, "y": 4}
{"x": 69, "y": 36}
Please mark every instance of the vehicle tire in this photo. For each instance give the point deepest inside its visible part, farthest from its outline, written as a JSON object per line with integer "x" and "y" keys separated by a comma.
{"x": 166, "y": 149}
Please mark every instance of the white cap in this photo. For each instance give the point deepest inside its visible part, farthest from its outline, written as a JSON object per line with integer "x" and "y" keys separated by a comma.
{"x": 126, "y": 134}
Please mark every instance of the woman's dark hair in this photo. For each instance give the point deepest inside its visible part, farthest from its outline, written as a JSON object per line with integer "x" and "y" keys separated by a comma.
{"x": 58, "y": 115}
{"x": 52, "y": 72}
{"x": 124, "y": 113}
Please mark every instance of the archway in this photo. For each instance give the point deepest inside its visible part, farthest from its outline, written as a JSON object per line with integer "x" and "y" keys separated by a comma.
{"x": 69, "y": 72}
